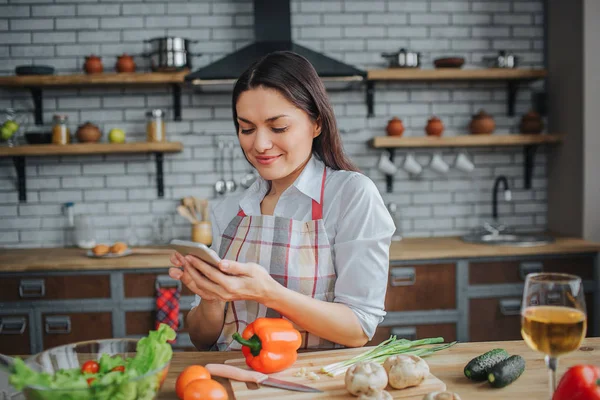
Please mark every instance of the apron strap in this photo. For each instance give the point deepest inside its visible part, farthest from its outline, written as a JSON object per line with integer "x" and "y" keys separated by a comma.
{"x": 317, "y": 208}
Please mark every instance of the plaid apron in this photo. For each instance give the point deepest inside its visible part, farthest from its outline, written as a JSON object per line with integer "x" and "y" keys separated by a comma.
{"x": 296, "y": 254}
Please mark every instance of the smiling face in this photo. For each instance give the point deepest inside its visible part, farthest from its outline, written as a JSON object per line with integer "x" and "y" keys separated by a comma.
{"x": 275, "y": 135}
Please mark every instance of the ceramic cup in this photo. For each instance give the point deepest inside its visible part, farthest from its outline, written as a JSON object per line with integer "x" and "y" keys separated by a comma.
{"x": 462, "y": 163}
{"x": 438, "y": 164}
{"x": 386, "y": 165}
{"x": 411, "y": 165}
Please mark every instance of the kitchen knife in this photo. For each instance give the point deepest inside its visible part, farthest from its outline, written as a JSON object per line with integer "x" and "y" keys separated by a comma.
{"x": 245, "y": 375}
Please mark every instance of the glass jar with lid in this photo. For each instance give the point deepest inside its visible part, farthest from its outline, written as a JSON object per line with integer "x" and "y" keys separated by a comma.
{"x": 155, "y": 126}
{"x": 60, "y": 130}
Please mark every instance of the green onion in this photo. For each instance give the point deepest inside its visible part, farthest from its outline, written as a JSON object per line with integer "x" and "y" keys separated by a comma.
{"x": 387, "y": 348}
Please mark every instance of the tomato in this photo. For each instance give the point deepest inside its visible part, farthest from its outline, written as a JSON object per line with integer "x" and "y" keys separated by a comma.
{"x": 90, "y": 381}
{"x": 205, "y": 389}
{"x": 580, "y": 382}
{"x": 191, "y": 373}
{"x": 119, "y": 368}
{"x": 90, "y": 367}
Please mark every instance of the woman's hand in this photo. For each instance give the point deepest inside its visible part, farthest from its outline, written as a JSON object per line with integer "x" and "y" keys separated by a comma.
{"x": 230, "y": 282}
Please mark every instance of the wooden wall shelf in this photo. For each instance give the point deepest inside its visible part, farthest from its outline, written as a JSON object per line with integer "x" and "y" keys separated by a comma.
{"x": 512, "y": 77}
{"x": 133, "y": 78}
{"x": 455, "y": 74}
{"x": 529, "y": 143}
{"x": 19, "y": 153}
{"x": 463, "y": 141}
{"x": 35, "y": 83}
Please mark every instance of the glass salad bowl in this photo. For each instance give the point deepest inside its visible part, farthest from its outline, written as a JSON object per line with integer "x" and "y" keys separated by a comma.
{"x": 124, "y": 369}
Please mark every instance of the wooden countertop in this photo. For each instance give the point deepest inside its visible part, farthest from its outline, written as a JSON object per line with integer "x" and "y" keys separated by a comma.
{"x": 453, "y": 248}
{"x": 70, "y": 259}
{"x": 446, "y": 365}
{"x": 61, "y": 259}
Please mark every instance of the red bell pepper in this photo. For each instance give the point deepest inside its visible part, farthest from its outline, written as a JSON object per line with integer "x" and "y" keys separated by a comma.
{"x": 581, "y": 382}
{"x": 269, "y": 344}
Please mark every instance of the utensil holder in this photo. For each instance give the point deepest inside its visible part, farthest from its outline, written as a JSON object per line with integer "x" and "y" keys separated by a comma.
{"x": 202, "y": 233}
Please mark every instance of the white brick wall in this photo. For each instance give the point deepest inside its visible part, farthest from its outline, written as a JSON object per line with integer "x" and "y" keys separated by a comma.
{"x": 119, "y": 191}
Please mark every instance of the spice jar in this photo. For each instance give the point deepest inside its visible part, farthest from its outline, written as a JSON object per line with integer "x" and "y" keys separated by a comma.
{"x": 155, "y": 126}
{"x": 60, "y": 130}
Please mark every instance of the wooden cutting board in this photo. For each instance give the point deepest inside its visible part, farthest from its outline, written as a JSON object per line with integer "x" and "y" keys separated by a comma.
{"x": 333, "y": 388}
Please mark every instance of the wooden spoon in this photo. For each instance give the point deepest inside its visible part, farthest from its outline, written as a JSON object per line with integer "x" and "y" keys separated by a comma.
{"x": 199, "y": 208}
{"x": 186, "y": 213}
{"x": 204, "y": 210}
{"x": 189, "y": 203}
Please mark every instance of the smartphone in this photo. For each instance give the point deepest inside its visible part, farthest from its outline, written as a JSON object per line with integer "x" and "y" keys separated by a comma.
{"x": 196, "y": 249}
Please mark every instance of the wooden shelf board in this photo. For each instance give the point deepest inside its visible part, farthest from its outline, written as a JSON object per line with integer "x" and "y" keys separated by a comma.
{"x": 90, "y": 148}
{"x": 133, "y": 78}
{"x": 464, "y": 140}
{"x": 407, "y": 74}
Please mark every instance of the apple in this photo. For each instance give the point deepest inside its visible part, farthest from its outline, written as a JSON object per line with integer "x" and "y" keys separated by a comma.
{"x": 6, "y": 133}
{"x": 116, "y": 135}
{"x": 12, "y": 125}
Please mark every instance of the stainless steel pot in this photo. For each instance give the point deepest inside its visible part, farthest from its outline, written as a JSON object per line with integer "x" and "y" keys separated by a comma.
{"x": 403, "y": 59}
{"x": 170, "y": 53}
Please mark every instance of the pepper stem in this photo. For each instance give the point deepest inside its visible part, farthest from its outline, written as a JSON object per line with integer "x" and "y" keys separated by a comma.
{"x": 253, "y": 343}
{"x": 598, "y": 382}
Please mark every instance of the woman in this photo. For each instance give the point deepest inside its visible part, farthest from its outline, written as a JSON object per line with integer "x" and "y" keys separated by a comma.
{"x": 309, "y": 240}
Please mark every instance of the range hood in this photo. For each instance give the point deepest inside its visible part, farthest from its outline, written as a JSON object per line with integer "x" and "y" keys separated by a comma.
{"x": 272, "y": 32}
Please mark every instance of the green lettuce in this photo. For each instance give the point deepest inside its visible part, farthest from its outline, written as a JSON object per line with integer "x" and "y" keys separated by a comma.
{"x": 152, "y": 352}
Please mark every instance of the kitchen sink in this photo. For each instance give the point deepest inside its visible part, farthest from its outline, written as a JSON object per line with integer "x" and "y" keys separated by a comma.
{"x": 507, "y": 239}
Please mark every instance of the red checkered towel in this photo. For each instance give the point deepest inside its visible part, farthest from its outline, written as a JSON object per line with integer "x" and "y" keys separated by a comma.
{"x": 167, "y": 306}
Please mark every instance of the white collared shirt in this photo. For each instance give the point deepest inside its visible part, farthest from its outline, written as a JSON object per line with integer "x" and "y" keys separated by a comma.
{"x": 358, "y": 225}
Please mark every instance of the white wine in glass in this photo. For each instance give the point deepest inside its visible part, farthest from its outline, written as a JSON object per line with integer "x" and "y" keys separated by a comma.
{"x": 553, "y": 316}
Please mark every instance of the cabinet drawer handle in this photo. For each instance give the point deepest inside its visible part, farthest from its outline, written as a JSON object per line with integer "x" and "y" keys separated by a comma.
{"x": 12, "y": 325}
{"x": 405, "y": 332}
{"x": 58, "y": 325}
{"x": 164, "y": 281}
{"x": 29, "y": 288}
{"x": 526, "y": 268}
{"x": 403, "y": 276}
{"x": 509, "y": 307}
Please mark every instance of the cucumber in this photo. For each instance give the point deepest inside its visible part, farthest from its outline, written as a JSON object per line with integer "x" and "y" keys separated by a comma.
{"x": 506, "y": 372}
{"x": 477, "y": 369}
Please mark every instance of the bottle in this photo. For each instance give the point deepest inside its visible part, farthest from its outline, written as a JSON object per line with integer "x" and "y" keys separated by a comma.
{"x": 69, "y": 229}
{"x": 395, "y": 213}
{"x": 155, "y": 126}
{"x": 60, "y": 130}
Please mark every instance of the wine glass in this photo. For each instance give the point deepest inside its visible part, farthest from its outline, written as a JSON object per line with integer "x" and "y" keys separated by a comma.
{"x": 553, "y": 316}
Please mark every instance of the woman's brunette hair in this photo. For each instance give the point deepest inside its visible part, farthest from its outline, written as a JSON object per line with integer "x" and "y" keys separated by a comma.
{"x": 295, "y": 78}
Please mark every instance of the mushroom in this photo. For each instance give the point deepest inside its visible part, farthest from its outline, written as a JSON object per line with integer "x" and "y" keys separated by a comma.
{"x": 377, "y": 394}
{"x": 405, "y": 371}
{"x": 363, "y": 377}
{"x": 441, "y": 396}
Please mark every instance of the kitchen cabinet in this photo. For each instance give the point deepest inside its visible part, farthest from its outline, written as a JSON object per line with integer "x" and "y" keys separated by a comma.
{"x": 496, "y": 317}
{"x": 435, "y": 288}
{"x": 414, "y": 332}
{"x": 66, "y": 328}
{"x": 14, "y": 334}
{"x": 54, "y": 287}
{"x": 421, "y": 287}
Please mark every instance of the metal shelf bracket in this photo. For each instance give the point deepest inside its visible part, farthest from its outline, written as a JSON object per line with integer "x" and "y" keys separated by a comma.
{"x": 370, "y": 99}
{"x": 511, "y": 97}
{"x": 176, "y": 102}
{"x": 160, "y": 182}
{"x": 19, "y": 162}
{"x": 529, "y": 162}
{"x": 38, "y": 105}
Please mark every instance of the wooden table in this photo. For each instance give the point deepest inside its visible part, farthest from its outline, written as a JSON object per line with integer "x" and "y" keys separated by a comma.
{"x": 447, "y": 365}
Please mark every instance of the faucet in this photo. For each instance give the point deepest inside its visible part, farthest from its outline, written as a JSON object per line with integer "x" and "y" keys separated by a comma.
{"x": 507, "y": 195}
